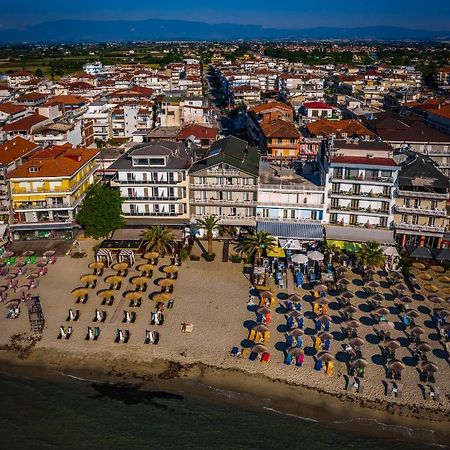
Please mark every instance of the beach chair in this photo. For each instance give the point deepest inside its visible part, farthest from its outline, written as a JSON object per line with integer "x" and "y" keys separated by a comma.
{"x": 290, "y": 322}
{"x": 330, "y": 367}
{"x": 252, "y": 335}
{"x": 318, "y": 365}
{"x": 289, "y": 340}
{"x": 299, "y": 342}
{"x": 399, "y": 392}
{"x": 327, "y": 326}
{"x": 288, "y": 359}
{"x": 234, "y": 351}
{"x": 265, "y": 357}
{"x": 389, "y": 389}
{"x": 317, "y": 343}
{"x": 360, "y": 386}
{"x": 326, "y": 346}
{"x": 266, "y": 337}
{"x": 253, "y": 356}
{"x": 318, "y": 325}
{"x": 300, "y": 360}
{"x": 316, "y": 309}
{"x": 426, "y": 391}
{"x": 245, "y": 352}
{"x": 259, "y": 318}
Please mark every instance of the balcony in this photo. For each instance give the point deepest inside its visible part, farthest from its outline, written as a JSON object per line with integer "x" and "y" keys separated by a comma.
{"x": 362, "y": 179}
{"x": 274, "y": 204}
{"x": 361, "y": 211}
{"x": 219, "y": 202}
{"x": 228, "y": 187}
{"x": 40, "y": 206}
{"x": 420, "y": 194}
{"x": 42, "y": 221}
{"x": 351, "y": 194}
{"x": 359, "y": 225}
{"x": 151, "y": 199}
{"x": 419, "y": 228}
{"x": 421, "y": 211}
{"x": 146, "y": 182}
{"x": 152, "y": 214}
{"x": 231, "y": 219}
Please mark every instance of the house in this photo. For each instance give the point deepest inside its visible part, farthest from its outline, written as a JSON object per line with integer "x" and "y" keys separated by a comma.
{"x": 225, "y": 182}
{"x": 12, "y": 154}
{"x": 32, "y": 99}
{"x": 421, "y": 204}
{"x": 280, "y": 139}
{"x": 25, "y": 126}
{"x": 59, "y": 133}
{"x": 339, "y": 129}
{"x": 360, "y": 184}
{"x": 10, "y": 112}
{"x": 312, "y": 111}
{"x": 47, "y": 190}
{"x": 201, "y": 135}
{"x": 270, "y": 111}
{"x": 249, "y": 95}
{"x": 152, "y": 179}
{"x": 17, "y": 79}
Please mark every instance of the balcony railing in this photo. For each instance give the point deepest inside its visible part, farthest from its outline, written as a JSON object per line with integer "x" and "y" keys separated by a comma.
{"x": 230, "y": 219}
{"x": 420, "y": 228}
{"x": 215, "y": 201}
{"x": 41, "y": 221}
{"x": 360, "y": 225}
{"x": 147, "y": 182}
{"x": 138, "y": 198}
{"x": 421, "y": 211}
{"x": 274, "y": 204}
{"x": 24, "y": 206}
{"x": 362, "y": 211}
{"x": 213, "y": 187}
{"x": 362, "y": 179}
{"x": 420, "y": 194}
{"x": 358, "y": 194}
{"x": 151, "y": 214}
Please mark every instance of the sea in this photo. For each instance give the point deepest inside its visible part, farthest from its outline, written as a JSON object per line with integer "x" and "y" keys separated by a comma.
{"x": 69, "y": 413}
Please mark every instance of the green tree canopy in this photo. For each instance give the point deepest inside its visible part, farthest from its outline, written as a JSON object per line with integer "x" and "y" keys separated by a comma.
{"x": 209, "y": 224}
{"x": 370, "y": 254}
{"x": 254, "y": 243}
{"x": 100, "y": 213}
{"x": 159, "y": 238}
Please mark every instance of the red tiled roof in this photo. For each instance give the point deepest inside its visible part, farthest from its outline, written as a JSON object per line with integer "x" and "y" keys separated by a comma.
{"x": 198, "y": 131}
{"x": 25, "y": 123}
{"x": 12, "y": 108}
{"x": 318, "y": 105}
{"x": 15, "y": 149}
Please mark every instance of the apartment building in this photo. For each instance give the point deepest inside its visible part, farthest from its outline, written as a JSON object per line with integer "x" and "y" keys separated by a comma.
{"x": 249, "y": 95}
{"x": 129, "y": 119}
{"x": 98, "y": 115}
{"x": 360, "y": 184}
{"x": 225, "y": 182}
{"x": 152, "y": 179}
{"x": 47, "y": 190}
{"x": 421, "y": 203}
{"x": 12, "y": 154}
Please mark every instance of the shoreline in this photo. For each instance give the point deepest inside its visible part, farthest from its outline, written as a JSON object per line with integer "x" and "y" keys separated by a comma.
{"x": 238, "y": 386}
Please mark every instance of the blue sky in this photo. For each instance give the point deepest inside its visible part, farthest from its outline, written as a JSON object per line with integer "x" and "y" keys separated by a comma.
{"x": 430, "y": 14}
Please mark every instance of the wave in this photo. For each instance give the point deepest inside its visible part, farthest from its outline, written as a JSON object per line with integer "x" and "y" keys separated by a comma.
{"x": 306, "y": 419}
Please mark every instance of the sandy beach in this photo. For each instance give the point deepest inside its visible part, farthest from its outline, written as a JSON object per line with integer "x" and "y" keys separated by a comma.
{"x": 213, "y": 297}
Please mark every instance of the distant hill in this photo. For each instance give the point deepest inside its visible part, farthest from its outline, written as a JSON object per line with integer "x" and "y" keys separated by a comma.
{"x": 72, "y": 31}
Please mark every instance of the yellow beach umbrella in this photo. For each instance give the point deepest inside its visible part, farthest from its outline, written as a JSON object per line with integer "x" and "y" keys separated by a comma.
{"x": 431, "y": 288}
{"x": 446, "y": 291}
{"x": 96, "y": 265}
{"x": 161, "y": 297}
{"x": 105, "y": 293}
{"x": 166, "y": 282}
{"x": 261, "y": 288}
{"x": 151, "y": 255}
{"x": 267, "y": 294}
{"x": 170, "y": 269}
{"x": 114, "y": 279}
{"x": 139, "y": 281}
{"x": 120, "y": 266}
{"x": 419, "y": 265}
{"x": 79, "y": 292}
{"x": 88, "y": 278}
{"x": 146, "y": 267}
{"x": 133, "y": 295}
{"x": 444, "y": 279}
{"x": 438, "y": 269}
{"x": 426, "y": 276}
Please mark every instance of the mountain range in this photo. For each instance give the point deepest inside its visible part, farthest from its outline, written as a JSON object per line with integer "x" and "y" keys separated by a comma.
{"x": 73, "y": 31}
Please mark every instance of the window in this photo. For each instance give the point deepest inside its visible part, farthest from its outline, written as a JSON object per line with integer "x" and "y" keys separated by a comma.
{"x": 157, "y": 161}
{"x": 415, "y": 220}
{"x": 265, "y": 212}
{"x": 416, "y": 203}
{"x": 434, "y": 204}
{"x": 431, "y": 221}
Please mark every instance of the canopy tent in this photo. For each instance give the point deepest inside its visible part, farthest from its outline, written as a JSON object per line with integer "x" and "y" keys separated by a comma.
{"x": 127, "y": 255}
{"x": 290, "y": 244}
{"x": 104, "y": 254}
{"x": 441, "y": 254}
{"x": 120, "y": 245}
{"x": 419, "y": 252}
{"x": 276, "y": 252}
{"x": 389, "y": 250}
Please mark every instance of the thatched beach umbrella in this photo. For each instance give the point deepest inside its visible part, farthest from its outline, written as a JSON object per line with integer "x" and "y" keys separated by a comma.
{"x": 315, "y": 256}
{"x": 120, "y": 266}
{"x": 396, "y": 274}
{"x": 79, "y": 292}
{"x": 378, "y": 297}
{"x": 444, "y": 279}
{"x": 325, "y": 356}
{"x": 259, "y": 348}
{"x": 146, "y": 268}
{"x": 96, "y": 265}
{"x": 263, "y": 310}
{"x": 412, "y": 313}
{"x": 28, "y": 253}
{"x": 429, "y": 366}
{"x": 106, "y": 293}
{"x": 406, "y": 299}
{"x": 324, "y": 318}
{"x": 373, "y": 284}
{"x": 295, "y": 314}
{"x": 114, "y": 279}
{"x": 11, "y": 276}
{"x": 347, "y": 294}
{"x": 343, "y": 281}
{"x": 431, "y": 288}
{"x": 320, "y": 288}
{"x": 161, "y": 297}
{"x": 299, "y": 259}
{"x": 352, "y": 323}
{"x": 42, "y": 263}
{"x": 139, "y": 281}
{"x": 419, "y": 265}
{"x": 133, "y": 296}
{"x": 445, "y": 291}
{"x": 384, "y": 325}
{"x": 370, "y": 271}
{"x": 401, "y": 287}
{"x": 89, "y": 278}
{"x": 49, "y": 253}
{"x": 417, "y": 331}
{"x": 438, "y": 269}
{"x": 426, "y": 276}
{"x": 356, "y": 342}
{"x": 8, "y": 254}
{"x": 424, "y": 347}
{"x": 359, "y": 363}
{"x": 22, "y": 288}
{"x": 295, "y": 298}
{"x": 435, "y": 299}
{"x": 325, "y": 336}
{"x": 392, "y": 344}
{"x": 170, "y": 269}
{"x": 295, "y": 351}
{"x": 395, "y": 364}
{"x": 296, "y": 332}
{"x": 151, "y": 256}
{"x": 165, "y": 282}
{"x": 12, "y": 303}
{"x": 322, "y": 301}
{"x": 350, "y": 309}
{"x": 382, "y": 311}
{"x": 261, "y": 328}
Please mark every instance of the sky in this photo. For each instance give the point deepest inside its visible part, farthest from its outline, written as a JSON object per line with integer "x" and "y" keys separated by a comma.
{"x": 418, "y": 14}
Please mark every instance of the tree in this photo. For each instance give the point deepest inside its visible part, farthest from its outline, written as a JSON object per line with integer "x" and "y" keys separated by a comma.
{"x": 331, "y": 250}
{"x": 39, "y": 73}
{"x": 209, "y": 224}
{"x": 254, "y": 243}
{"x": 370, "y": 255}
{"x": 100, "y": 213}
{"x": 159, "y": 238}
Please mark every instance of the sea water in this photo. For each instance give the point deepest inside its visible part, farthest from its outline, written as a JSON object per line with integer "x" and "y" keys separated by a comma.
{"x": 40, "y": 414}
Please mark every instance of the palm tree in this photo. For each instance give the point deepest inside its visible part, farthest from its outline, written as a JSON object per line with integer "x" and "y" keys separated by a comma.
{"x": 159, "y": 238}
{"x": 255, "y": 242}
{"x": 209, "y": 224}
{"x": 370, "y": 254}
{"x": 331, "y": 249}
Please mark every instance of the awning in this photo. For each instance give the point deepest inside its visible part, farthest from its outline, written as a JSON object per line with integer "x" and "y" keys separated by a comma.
{"x": 356, "y": 234}
{"x": 43, "y": 226}
{"x": 441, "y": 254}
{"x": 419, "y": 252}
{"x": 290, "y": 244}
{"x": 390, "y": 251}
{"x": 276, "y": 252}
{"x": 292, "y": 230}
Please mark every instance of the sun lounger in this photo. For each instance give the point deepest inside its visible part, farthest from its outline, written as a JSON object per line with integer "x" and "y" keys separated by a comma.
{"x": 52, "y": 260}
{"x": 426, "y": 391}
{"x": 316, "y": 309}
{"x": 245, "y": 352}
{"x": 330, "y": 368}
{"x": 300, "y": 360}
{"x": 266, "y": 337}
{"x": 298, "y": 306}
{"x": 360, "y": 386}
{"x": 288, "y": 359}
{"x": 300, "y": 323}
{"x": 436, "y": 393}
{"x": 389, "y": 389}
{"x": 317, "y": 343}
{"x": 318, "y": 365}
{"x": 290, "y": 322}
{"x": 126, "y": 336}
{"x": 265, "y": 357}
{"x": 349, "y": 384}
{"x": 326, "y": 346}
{"x": 267, "y": 319}
{"x": 318, "y": 325}
{"x": 327, "y": 326}
{"x": 299, "y": 342}
{"x": 289, "y": 306}
{"x": 289, "y": 340}
{"x": 259, "y": 318}
{"x": 253, "y": 356}
{"x": 399, "y": 392}
{"x": 234, "y": 351}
